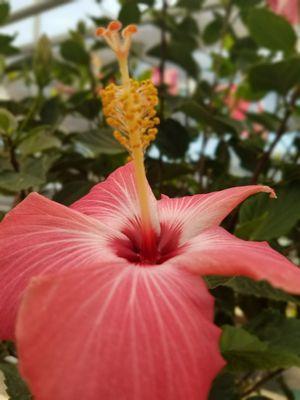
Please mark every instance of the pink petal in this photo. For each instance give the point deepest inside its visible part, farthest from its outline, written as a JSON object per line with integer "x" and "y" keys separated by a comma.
{"x": 115, "y": 200}
{"x": 188, "y": 216}
{"x": 40, "y": 236}
{"x": 287, "y": 8}
{"x": 217, "y": 252}
{"x": 119, "y": 332}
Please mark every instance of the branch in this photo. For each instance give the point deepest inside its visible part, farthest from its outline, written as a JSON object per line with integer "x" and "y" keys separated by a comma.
{"x": 163, "y": 49}
{"x": 280, "y": 132}
{"x": 201, "y": 162}
{"x": 262, "y": 381}
{"x": 16, "y": 167}
{"x": 12, "y": 155}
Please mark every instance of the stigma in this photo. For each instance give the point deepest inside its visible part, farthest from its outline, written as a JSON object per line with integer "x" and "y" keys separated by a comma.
{"x": 120, "y": 42}
{"x": 129, "y": 108}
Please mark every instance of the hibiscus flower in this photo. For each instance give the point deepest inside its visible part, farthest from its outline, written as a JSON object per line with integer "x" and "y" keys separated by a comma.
{"x": 290, "y": 9}
{"x": 171, "y": 79}
{"x": 105, "y": 299}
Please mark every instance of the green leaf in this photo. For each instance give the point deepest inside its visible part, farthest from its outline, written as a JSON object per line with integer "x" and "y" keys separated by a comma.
{"x": 38, "y": 167}
{"x": 246, "y": 3}
{"x": 280, "y": 332}
{"x": 224, "y": 387}
{"x": 129, "y": 13}
{"x": 51, "y": 111}
{"x": 222, "y": 153}
{"x": 280, "y": 76}
{"x": 89, "y": 108}
{"x": 4, "y": 11}
{"x": 214, "y": 281}
{"x": 262, "y": 218}
{"x": 147, "y": 2}
{"x": 266, "y": 119}
{"x": 74, "y": 52}
{"x": 180, "y": 53}
{"x": 94, "y": 143}
{"x": 6, "y": 47}
{"x": 171, "y": 171}
{"x": 187, "y": 42}
{"x": 244, "y": 52}
{"x": 261, "y": 289}
{"x": 271, "y": 30}
{"x": 42, "y": 61}
{"x": 245, "y": 351}
{"x": 8, "y": 123}
{"x": 72, "y": 191}
{"x": 16, "y": 387}
{"x": 247, "y": 286}
{"x": 202, "y": 114}
{"x": 212, "y": 31}
{"x": 189, "y": 26}
{"x": 38, "y": 141}
{"x": 85, "y": 104}
{"x": 17, "y": 181}
{"x": 190, "y": 4}
{"x": 172, "y": 139}
{"x": 247, "y": 150}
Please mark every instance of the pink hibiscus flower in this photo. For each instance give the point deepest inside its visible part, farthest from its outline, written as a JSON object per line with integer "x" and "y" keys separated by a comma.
{"x": 238, "y": 109}
{"x": 105, "y": 298}
{"x": 171, "y": 79}
{"x": 288, "y": 8}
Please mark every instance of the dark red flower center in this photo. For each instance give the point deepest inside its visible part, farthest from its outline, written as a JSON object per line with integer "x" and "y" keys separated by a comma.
{"x": 161, "y": 247}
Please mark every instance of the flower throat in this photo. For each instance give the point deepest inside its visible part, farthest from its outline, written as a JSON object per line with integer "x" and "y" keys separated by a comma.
{"x": 130, "y": 109}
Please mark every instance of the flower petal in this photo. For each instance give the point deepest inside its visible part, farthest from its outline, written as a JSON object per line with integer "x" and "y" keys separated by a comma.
{"x": 119, "y": 332}
{"x": 217, "y": 252}
{"x": 115, "y": 201}
{"x": 190, "y": 215}
{"x": 40, "y": 236}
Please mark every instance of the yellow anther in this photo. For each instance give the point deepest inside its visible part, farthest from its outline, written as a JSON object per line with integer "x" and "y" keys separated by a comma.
{"x": 127, "y": 109}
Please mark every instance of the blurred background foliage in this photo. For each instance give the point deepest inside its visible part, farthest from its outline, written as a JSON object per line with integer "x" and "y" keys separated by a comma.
{"x": 228, "y": 73}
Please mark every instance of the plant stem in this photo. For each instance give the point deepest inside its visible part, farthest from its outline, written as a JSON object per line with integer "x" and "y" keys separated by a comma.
{"x": 33, "y": 110}
{"x": 280, "y": 132}
{"x": 162, "y": 66}
{"x": 201, "y": 162}
{"x": 226, "y": 21}
{"x": 225, "y": 25}
{"x": 16, "y": 166}
{"x": 12, "y": 155}
{"x": 262, "y": 381}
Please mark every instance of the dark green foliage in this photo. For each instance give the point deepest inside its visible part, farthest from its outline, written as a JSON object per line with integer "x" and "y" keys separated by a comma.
{"x": 172, "y": 139}
{"x": 279, "y": 76}
{"x": 4, "y": 11}
{"x": 244, "y": 351}
{"x": 271, "y": 30}
{"x": 16, "y": 388}
{"x": 74, "y": 52}
{"x": 129, "y": 12}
